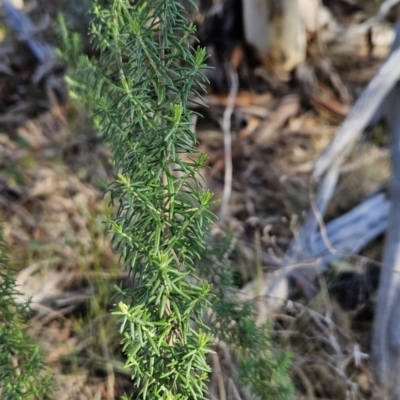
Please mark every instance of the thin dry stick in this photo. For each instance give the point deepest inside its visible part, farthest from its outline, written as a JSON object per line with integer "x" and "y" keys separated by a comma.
{"x": 233, "y": 391}
{"x": 109, "y": 367}
{"x": 218, "y": 372}
{"x": 306, "y": 382}
{"x": 319, "y": 318}
{"x": 322, "y": 227}
{"x": 287, "y": 269}
{"x": 226, "y": 128}
{"x": 259, "y": 269}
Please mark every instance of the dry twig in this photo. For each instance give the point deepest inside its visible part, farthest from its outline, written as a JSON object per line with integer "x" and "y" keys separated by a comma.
{"x": 226, "y": 127}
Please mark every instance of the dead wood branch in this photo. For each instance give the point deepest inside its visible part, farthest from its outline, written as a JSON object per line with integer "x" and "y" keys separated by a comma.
{"x": 386, "y": 335}
{"x": 309, "y": 254}
{"x": 350, "y": 233}
{"x": 26, "y": 32}
{"x": 360, "y": 116}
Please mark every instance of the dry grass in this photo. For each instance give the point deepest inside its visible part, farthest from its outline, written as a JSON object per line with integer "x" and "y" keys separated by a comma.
{"x": 53, "y": 224}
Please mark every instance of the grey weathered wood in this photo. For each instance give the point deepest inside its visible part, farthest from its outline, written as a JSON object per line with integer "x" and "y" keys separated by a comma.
{"x": 386, "y": 331}
{"x": 351, "y": 232}
{"x": 328, "y": 164}
{"x": 26, "y": 32}
{"x": 360, "y": 116}
{"x": 347, "y": 235}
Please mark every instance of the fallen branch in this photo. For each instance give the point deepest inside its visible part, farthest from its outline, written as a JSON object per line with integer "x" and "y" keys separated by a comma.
{"x": 348, "y": 234}
{"x": 366, "y": 221}
{"x": 27, "y": 32}
{"x": 386, "y": 332}
{"x": 360, "y": 116}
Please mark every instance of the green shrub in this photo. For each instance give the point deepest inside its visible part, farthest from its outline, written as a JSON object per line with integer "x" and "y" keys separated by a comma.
{"x": 141, "y": 89}
{"x": 138, "y": 90}
{"x": 22, "y": 374}
{"x": 265, "y": 371}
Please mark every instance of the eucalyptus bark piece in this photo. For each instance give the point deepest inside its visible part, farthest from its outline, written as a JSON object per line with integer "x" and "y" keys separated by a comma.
{"x": 277, "y": 32}
{"x": 268, "y": 130}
